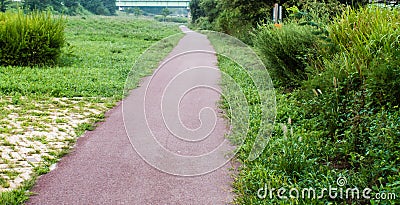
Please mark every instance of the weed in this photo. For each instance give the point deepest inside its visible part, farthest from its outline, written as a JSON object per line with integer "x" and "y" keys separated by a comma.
{"x": 61, "y": 121}
{"x": 4, "y": 183}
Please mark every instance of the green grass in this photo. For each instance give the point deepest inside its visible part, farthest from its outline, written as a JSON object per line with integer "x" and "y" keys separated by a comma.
{"x": 289, "y": 157}
{"x": 95, "y": 64}
{"x": 101, "y": 53}
{"x": 20, "y": 195}
{"x": 327, "y": 131}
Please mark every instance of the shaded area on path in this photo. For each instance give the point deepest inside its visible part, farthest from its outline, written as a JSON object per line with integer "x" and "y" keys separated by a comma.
{"x": 105, "y": 169}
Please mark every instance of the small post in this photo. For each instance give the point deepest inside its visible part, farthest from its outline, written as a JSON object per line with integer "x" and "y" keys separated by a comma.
{"x": 275, "y": 13}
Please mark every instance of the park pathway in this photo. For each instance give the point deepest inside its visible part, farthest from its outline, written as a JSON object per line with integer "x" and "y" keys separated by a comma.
{"x": 104, "y": 167}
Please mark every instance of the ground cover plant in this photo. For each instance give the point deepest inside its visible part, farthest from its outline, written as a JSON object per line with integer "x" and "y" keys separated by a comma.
{"x": 43, "y": 109}
{"x": 340, "y": 127}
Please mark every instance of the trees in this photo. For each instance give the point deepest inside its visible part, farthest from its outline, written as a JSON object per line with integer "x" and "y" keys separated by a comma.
{"x": 210, "y": 8}
{"x": 110, "y": 5}
{"x": 204, "y": 8}
{"x": 195, "y": 10}
{"x": 245, "y": 11}
{"x": 166, "y": 12}
{"x": 100, "y": 7}
{"x": 71, "y": 3}
{"x": 4, "y": 4}
{"x": 250, "y": 10}
{"x": 137, "y": 11}
{"x": 36, "y": 4}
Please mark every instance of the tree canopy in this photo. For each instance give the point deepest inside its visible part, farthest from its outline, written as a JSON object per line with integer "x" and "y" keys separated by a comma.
{"x": 238, "y": 17}
{"x": 252, "y": 11}
{"x": 100, "y": 7}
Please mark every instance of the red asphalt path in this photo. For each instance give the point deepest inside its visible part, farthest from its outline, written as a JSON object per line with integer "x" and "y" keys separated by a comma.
{"x": 104, "y": 168}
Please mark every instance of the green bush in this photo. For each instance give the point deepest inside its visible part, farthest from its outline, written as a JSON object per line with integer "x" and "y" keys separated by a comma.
{"x": 342, "y": 121}
{"x": 363, "y": 62}
{"x": 230, "y": 22}
{"x": 171, "y": 19}
{"x": 358, "y": 97}
{"x": 316, "y": 11}
{"x": 286, "y": 51}
{"x": 203, "y": 23}
{"x": 30, "y": 40}
{"x": 369, "y": 38}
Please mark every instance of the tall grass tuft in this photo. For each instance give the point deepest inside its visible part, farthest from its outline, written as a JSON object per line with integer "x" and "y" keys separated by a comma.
{"x": 30, "y": 39}
{"x": 368, "y": 44}
{"x": 286, "y": 51}
{"x": 366, "y": 34}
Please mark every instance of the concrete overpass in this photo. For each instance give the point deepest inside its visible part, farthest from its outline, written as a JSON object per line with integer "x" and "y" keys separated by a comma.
{"x": 153, "y": 3}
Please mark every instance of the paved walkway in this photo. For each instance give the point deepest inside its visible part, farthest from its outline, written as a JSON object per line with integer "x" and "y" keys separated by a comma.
{"x": 104, "y": 167}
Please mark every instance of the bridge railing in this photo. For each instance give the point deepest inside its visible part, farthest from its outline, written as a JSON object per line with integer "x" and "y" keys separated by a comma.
{"x": 153, "y": 3}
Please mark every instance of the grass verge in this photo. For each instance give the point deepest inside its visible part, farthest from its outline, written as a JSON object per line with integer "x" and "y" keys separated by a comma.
{"x": 335, "y": 141}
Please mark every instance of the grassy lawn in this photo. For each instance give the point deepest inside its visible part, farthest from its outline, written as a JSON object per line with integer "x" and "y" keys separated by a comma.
{"x": 44, "y": 109}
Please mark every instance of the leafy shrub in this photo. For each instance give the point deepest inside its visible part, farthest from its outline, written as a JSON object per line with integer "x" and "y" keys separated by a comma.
{"x": 230, "y": 22}
{"x": 343, "y": 121}
{"x": 359, "y": 97}
{"x": 171, "y": 19}
{"x": 203, "y": 23}
{"x": 319, "y": 11}
{"x": 32, "y": 39}
{"x": 286, "y": 51}
{"x": 364, "y": 57}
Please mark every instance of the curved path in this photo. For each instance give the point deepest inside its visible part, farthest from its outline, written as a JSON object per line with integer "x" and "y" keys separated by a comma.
{"x": 104, "y": 168}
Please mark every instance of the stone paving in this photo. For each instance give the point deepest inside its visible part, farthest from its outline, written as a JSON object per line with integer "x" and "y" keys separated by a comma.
{"x": 35, "y": 133}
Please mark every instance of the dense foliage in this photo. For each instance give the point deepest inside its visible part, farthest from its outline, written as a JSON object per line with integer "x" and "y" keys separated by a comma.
{"x": 240, "y": 17}
{"x": 29, "y": 40}
{"x": 69, "y": 7}
{"x": 100, "y": 7}
{"x": 340, "y": 119}
{"x": 286, "y": 51}
{"x": 96, "y": 61}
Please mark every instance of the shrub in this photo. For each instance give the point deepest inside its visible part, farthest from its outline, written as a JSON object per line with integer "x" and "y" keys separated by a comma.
{"x": 203, "y": 23}
{"x": 30, "y": 40}
{"x": 359, "y": 97}
{"x": 343, "y": 121}
{"x": 174, "y": 19}
{"x": 365, "y": 54}
{"x": 286, "y": 51}
{"x": 318, "y": 11}
{"x": 230, "y": 22}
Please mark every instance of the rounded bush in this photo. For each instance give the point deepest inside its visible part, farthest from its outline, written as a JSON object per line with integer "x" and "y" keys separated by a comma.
{"x": 30, "y": 39}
